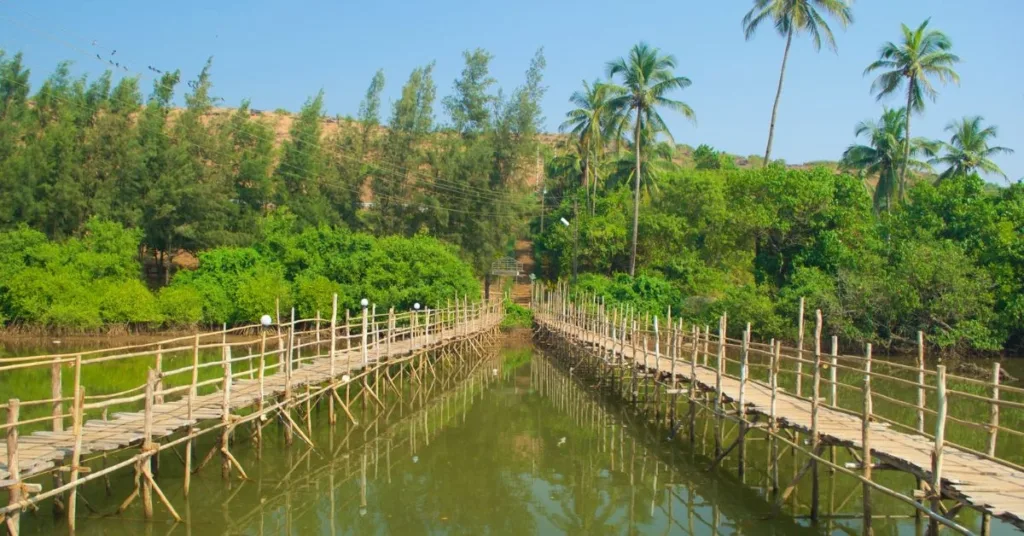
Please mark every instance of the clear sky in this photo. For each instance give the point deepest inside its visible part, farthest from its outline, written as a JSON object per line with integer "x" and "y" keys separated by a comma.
{"x": 279, "y": 53}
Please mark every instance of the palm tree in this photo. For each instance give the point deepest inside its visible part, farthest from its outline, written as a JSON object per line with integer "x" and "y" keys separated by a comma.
{"x": 791, "y": 17}
{"x": 968, "y": 150}
{"x": 884, "y": 154}
{"x": 923, "y": 53}
{"x": 647, "y": 78}
{"x": 587, "y": 122}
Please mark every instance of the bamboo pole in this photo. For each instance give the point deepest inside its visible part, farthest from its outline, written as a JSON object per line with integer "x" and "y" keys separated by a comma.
{"x": 993, "y": 436}
{"x": 833, "y": 398}
{"x": 289, "y": 433}
{"x": 815, "y": 405}
{"x": 189, "y": 409}
{"x": 741, "y": 454}
{"x": 866, "y": 445}
{"x": 14, "y": 491}
{"x": 76, "y": 457}
{"x": 920, "y": 381}
{"x": 940, "y": 438}
{"x": 773, "y": 380}
{"x": 145, "y": 461}
{"x": 800, "y": 351}
{"x": 159, "y": 365}
{"x": 55, "y": 394}
{"x": 225, "y": 433}
{"x": 331, "y": 417}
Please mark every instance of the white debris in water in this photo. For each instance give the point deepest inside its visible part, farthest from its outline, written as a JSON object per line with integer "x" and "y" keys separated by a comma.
{"x": 415, "y": 459}
{"x": 561, "y": 441}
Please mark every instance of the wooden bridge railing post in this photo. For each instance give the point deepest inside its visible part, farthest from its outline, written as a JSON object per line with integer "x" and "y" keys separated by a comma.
{"x": 921, "y": 400}
{"x": 262, "y": 386}
{"x": 800, "y": 351}
{"x": 332, "y": 349}
{"x": 14, "y": 491}
{"x": 833, "y": 371}
{"x": 159, "y": 365}
{"x": 741, "y": 453}
{"x": 940, "y": 439}
{"x": 55, "y": 394}
{"x": 773, "y": 382}
{"x": 993, "y": 429}
{"x": 78, "y": 414}
{"x": 190, "y": 403}
{"x": 866, "y": 444}
{"x": 363, "y": 336}
{"x": 225, "y": 433}
{"x": 815, "y": 405}
{"x": 145, "y": 459}
{"x": 719, "y": 373}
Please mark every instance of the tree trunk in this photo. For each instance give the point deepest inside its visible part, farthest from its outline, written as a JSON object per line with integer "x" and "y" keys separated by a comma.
{"x": 636, "y": 196}
{"x": 487, "y": 287}
{"x": 906, "y": 141}
{"x": 778, "y": 95}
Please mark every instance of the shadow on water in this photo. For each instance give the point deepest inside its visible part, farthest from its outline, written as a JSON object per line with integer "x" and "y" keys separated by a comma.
{"x": 508, "y": 444}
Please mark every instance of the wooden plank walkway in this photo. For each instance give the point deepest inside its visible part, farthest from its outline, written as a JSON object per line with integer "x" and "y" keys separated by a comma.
{"x": 983, "y": 484}
{"x": 41, "y": 451}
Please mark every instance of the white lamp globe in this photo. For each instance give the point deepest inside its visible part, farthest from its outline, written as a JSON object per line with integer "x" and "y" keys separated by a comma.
{"x": 364, "y": 302}
{"x": 266, "y": 320}
{"x": 416, "y": 306}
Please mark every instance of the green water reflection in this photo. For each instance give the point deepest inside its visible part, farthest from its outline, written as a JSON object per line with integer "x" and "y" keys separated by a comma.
{"x": 509, "y": 445}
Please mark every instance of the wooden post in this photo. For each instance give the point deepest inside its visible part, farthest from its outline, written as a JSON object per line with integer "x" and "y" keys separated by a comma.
{"x": 147, "y": 448}
{"x": 833, "y": 398}
{"x": 707, "y": 341}
{"x": 189, "y": 409}
{"x": 744, "y": 359}
{"x": 225, "y": 432}
{"x": 719, "y": 372}
{"x": 159, "y": 374}
{"x": 77, "y": 413}
{"x": 260, "y": 378}
{"x": 55, "y": 394}
{"x": 800, "y": 351}
{"x": 993, "y": 436}
{"x": 940, "y": 439}
{"x": 773, "y": 381}
{"x": 391, "y": 328}
{"x": 366, "y": 355}
{"x": 920, "y": 381}
{"x": 14, "y": 491}
{"x": 289, "y": 433}
{"x": 866, "y": 444}
{"x": 333, "y": 347}
{"x": 815, "y": 403}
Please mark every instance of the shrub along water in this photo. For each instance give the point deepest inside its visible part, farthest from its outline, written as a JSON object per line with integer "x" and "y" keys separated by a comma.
{"x": 92, "y": 281}
{"x": 948, "y": 262}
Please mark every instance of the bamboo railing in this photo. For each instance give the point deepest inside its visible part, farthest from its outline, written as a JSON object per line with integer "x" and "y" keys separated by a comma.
{"x": 189, "y": 368}
{"x": 849, "y": 384}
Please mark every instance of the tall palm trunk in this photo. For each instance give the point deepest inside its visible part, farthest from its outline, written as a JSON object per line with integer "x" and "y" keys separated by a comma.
{"x": 636, "y": 197}
{"x": 906, "y": 140}
{"x": 778, "y": 95}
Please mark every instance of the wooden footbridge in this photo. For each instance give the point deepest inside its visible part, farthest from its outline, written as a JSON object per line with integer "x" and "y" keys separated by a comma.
{"x": 789, "y": 392}
{"x": 219, "y": 381}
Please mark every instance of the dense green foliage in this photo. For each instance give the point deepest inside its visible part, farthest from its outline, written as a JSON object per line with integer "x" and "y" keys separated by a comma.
{"x": 516, "y": 316}
{"x": 753, "y": 242}
{"x": 88, "y": 282}
{"x": 202, "y": 179}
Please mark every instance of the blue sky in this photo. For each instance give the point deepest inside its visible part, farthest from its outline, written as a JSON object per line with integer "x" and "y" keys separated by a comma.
{"x": 279, "y": 53}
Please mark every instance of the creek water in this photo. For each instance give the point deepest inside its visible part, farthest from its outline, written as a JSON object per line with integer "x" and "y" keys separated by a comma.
{"x": 511, "y": 443}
